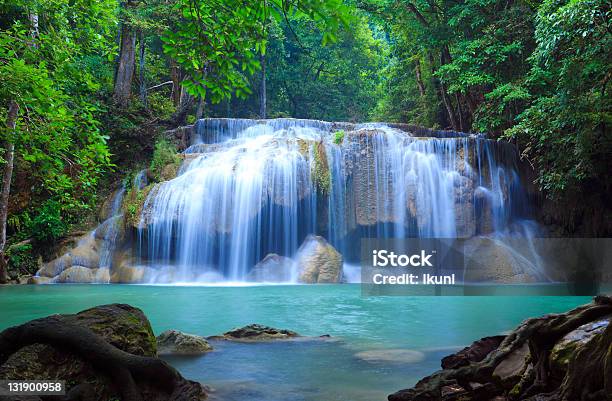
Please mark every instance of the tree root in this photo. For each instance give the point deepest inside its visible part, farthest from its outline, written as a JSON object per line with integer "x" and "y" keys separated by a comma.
{"x": 584, "y": 379}
{"x": 125, "y": 370}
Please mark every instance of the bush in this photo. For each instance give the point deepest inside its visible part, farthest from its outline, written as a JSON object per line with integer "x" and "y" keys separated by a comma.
{"x": 48, "y": 225}
{"x": 22, "y": 259}
{"x": 165, "y": 154}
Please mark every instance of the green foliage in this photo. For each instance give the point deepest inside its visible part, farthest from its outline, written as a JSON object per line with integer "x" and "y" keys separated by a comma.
{"x": 339, "y": 137}
{"x": 133, "y": 203}
{"x": 165, "y": 156}
{"x": 21, "y": 258}
{"x": 48, "y": 225}
{"x": 566, "y": 128}
{"x": 533, "y": 72}
{"x": 218, "y": 44}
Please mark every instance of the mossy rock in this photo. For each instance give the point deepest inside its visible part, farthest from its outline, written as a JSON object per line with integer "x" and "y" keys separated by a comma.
{"x": 133, "y": 203}
{"x": 123, "y": 326}
{"x": 321, "y": 173}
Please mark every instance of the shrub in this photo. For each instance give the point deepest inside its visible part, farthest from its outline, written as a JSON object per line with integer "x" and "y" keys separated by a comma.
{"x": 48, "y": 225}
{"x": 165, "y": 154}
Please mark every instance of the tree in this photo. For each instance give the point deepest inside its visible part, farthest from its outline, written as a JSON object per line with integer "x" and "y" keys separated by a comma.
{"x": 216, "y": 43}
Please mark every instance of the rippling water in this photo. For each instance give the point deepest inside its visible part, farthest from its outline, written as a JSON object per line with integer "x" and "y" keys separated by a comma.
{"x": 322, "y": 370}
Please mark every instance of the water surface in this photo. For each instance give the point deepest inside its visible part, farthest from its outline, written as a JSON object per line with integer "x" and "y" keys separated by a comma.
{"x": 328, "y": 370}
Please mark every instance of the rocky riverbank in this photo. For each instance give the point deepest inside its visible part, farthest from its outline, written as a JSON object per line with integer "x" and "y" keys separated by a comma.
{"x": 564, "y": 357}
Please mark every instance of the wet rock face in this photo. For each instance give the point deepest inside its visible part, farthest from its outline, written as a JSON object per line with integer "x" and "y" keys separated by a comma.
{"x": 173, "y": 342}
{"x": 318, "y": 262}
{"x": 273, "y": 268}
{"x": 256, "y": 332}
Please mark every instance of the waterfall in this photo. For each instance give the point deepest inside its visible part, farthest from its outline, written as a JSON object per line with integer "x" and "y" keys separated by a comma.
{"x": 110, "y": 230}
{"x": 248, "y": 188}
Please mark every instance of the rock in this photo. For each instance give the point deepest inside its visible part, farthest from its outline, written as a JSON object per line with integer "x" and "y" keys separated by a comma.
{"x": 106, "y": 352}
{"x": 40, "y": 280}
{"x": 511, "y": 368}
{"x": 56, "y": 266}
{"x": 256, "y": 332}
{"x": 494, "y": 261}
{"x": 391, "y": 356}
{"x": 474, "y": 353}
{"x": 572, "y": 343}
{"x": 173, "y": 342}
{"x": 80, "y": 274}
{"x": 522, "y": 366}
{"x": 273, "y": 268}
{"x": 86, "y": 253}
{"x": 318, "y": 262}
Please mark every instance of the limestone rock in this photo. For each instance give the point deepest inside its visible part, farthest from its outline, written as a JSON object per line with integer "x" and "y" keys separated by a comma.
{"x": 81, "y": 274}
{"x": 491, "y": 260}
{"x": 318, "y": 262}
{"x": 173, "y": 342}
{"x": 55, "y": 267}
{"x": 256, "y": 332}
{"x": 273, "y": 268}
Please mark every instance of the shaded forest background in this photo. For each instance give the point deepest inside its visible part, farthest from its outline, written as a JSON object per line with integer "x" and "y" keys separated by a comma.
{"x": 86, "y": 88}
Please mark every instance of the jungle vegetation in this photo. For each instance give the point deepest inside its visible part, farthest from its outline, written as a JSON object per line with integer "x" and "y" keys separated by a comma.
{"x": 87, "y": 85}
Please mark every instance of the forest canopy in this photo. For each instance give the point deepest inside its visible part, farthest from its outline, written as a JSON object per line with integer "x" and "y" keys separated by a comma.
{"x": 87, "y": 85}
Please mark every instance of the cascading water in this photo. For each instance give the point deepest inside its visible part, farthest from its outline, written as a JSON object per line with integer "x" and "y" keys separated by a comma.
{"x": 248, "y": 188}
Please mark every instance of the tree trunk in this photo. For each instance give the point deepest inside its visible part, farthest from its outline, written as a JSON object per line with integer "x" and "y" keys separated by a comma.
{"x": 419, "y": 78}
{"x": 262, "y": 94}
{"x": 175, "y": 75}
{"x": 141, "y": 72}
{"x": 34, "y": 33}
{"x": 125, "y": 69}
{"x": 200, "y": 108}
{"x": 9, "y": 155}
{"x": 180, "y": 116}
{"x": 449, "y": 107}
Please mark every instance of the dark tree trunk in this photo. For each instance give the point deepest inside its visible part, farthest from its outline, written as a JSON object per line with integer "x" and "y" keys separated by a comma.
{"x": 175, "y": 75}
{"x": 263, "y": 94}
{"x": 125, "y": 69}
{"x": 200, "y": 108}
{"x": 7, "y": 176}
{"x": 185, "y": 104}
{"x": 141, "y": 70}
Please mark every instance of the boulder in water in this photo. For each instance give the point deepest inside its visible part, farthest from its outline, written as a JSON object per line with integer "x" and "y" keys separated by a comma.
{"x": 256, "y": 332}
{"x": 106, "y": 352}
{"x": 272, "y": 269}
{"x": 318, "y": 261}
{"x": 173, "y": 342}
